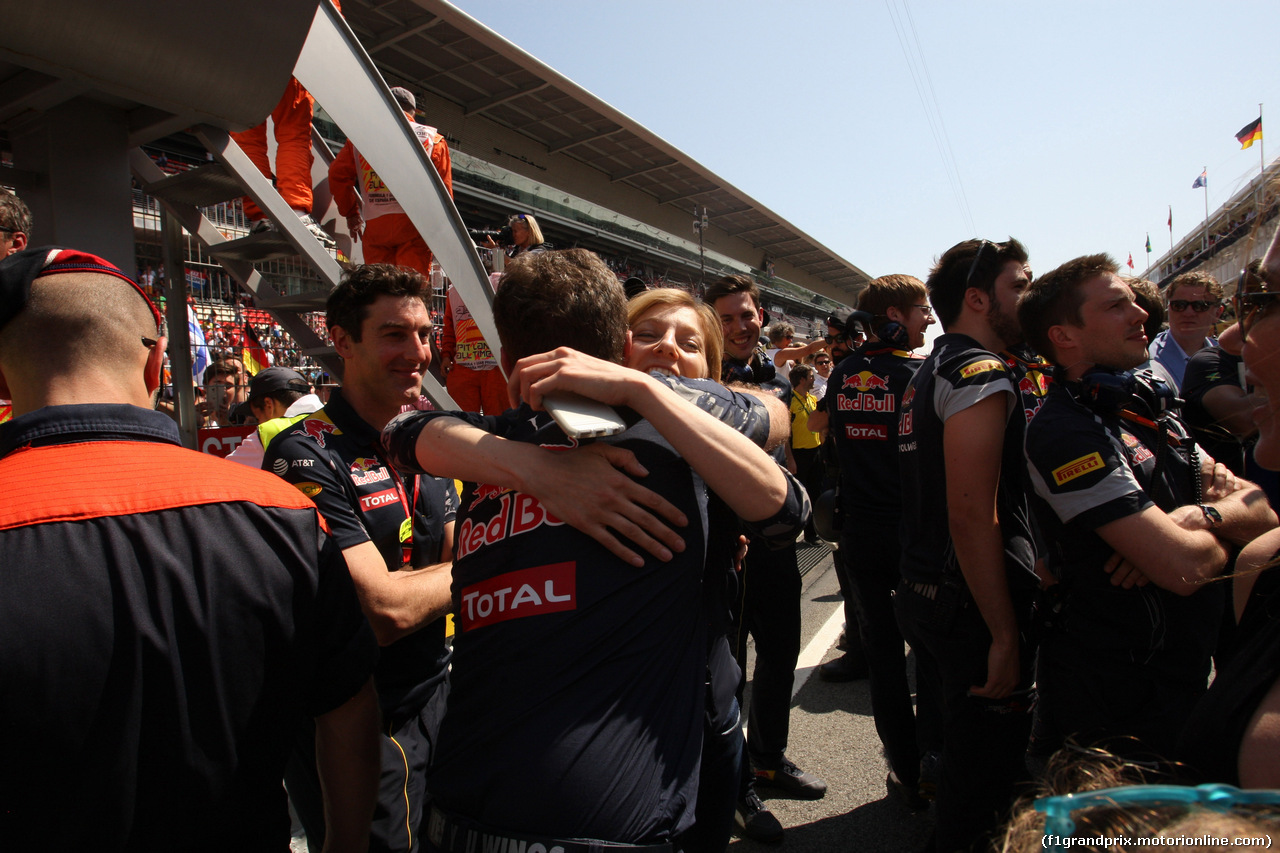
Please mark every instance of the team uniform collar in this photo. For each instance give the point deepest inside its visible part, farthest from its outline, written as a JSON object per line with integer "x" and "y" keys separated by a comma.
{"x": 87, "y": 422}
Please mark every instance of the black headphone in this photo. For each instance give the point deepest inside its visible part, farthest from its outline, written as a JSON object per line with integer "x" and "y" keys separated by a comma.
{"x": 1109, "y": 392}
{"x": 894, "y": 334}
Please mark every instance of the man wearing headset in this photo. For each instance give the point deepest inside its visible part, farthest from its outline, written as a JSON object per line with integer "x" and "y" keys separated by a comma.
{"x": 1135, "y": 520}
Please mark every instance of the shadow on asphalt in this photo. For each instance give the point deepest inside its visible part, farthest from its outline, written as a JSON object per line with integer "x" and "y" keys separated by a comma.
{"x": 882, "y": 826}
{"x": 825, "y": 697}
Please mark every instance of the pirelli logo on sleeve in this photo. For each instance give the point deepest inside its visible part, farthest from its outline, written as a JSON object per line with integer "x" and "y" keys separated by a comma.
{"x": 1077, "y": 468}
{"x": 984, "y": 366}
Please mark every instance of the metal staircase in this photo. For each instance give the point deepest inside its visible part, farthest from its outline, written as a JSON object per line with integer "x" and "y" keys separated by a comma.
{"x": 334, "y": 67}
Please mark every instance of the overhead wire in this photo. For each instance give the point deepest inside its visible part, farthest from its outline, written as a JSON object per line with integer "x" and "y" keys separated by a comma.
{"x": 919, "y": 71}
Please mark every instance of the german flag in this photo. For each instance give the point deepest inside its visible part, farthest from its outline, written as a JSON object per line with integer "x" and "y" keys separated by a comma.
{"x": 1250, "y": 133}
{"x": 253, "y": 355}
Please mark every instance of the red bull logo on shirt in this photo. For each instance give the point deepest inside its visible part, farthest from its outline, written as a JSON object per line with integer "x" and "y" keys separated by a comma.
{"x": 865, "y": 381}
{"x": 517, "y": 513}
{"x": 484, "y": 492}
{"x": 318, "y": 429}
{"x": 516, "y": 595}
{"x": 365, "y": 471}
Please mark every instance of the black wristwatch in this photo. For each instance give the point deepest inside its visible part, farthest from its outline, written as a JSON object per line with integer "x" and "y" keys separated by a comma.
{"x": 1212, "y": 516}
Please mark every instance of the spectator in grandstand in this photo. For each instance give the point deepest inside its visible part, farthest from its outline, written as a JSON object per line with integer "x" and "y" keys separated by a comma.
{"x": 1233, "y": 735}
{"x": 372, "y": 212}
{"x": 226, "y": 386}
{"x": 292, "y": 178}
{"x": 199, "y": 610}
{"x": 275, "y": 395}
{"x": 1194, "y": 301}
{"x": 631, "y": 643}
{"x": 1136, "y": 519}
{"x": 770, "y": 606}
{"x": 862, "y": 410}
{"x": 396, "y": 533}
{"x": 15, "y": 224}
{"x": 965, "y": 599}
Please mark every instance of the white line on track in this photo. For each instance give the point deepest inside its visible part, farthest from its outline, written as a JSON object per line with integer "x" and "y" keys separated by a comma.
{"x": 811, "y": 655}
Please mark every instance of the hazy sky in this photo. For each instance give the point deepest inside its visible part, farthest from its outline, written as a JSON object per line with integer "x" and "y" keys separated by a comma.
{"x": 1071, "y": 126}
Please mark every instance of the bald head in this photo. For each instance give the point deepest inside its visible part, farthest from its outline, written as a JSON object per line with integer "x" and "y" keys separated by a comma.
{"x": 79, "y": 335}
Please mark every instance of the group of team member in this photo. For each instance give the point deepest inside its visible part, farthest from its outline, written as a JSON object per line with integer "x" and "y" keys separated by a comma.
{"x": 594, "y": 693}
{"x": 1024, "y": 455}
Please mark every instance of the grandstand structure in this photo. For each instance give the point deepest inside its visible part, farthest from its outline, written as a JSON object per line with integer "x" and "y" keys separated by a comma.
{"x": 1234, "y": 234}
{"x": 114, "y": 128}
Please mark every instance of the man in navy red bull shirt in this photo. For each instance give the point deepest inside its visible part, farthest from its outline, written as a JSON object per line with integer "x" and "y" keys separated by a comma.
{"x": 579, "y": 696}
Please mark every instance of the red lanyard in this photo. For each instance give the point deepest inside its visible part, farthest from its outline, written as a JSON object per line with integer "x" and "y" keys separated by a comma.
{"x": 406, "y": 541}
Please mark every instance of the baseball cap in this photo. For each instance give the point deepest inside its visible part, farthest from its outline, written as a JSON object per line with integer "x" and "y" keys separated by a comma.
{"x": 404, "y": 98}
{"x": 20, "y": 269}
{"x": 275, "y": 379}
{"x": 634, "y": 286}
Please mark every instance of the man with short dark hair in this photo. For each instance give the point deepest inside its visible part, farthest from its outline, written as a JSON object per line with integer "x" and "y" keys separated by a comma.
{"x": 861, "y": 409}
{"x": 1194, "y": 300}
{"x": 1135, "y": 522}
{"x": 771, "y": 587}
{"x": 396, "y": 532}
{"x": 583, "y": 677}
{"x": 226, "y": 385}
{"x": 965, "y": 600}
{"x": 198, "y": 613}
{"x": 15, "y": 224}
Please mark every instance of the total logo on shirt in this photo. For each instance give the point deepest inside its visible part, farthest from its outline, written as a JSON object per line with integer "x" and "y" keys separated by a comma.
{"x": 516, "y": 595}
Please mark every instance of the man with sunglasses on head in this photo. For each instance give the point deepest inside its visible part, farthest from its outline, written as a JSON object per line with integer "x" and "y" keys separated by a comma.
{"x": 1195, "y": 304}
{"x": 965, "y": 599}
{"x": 1137, "y": 517}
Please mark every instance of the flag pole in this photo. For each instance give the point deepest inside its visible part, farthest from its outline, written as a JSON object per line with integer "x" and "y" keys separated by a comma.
{"x": 1262, "y": 159}
{"x": 1206, "y": 209}
{"x": 1171, "y": 233}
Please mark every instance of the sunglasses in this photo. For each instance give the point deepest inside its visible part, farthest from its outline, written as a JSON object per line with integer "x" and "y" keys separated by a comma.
{"x": 1058, "y": 811}
{"x": 1251, "y": 305}
{"x": 977, "y": 257}
{"x": 1201, "y": 305}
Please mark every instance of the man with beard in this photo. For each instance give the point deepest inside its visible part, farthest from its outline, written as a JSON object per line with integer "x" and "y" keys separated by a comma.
{"x": 965, "y": 600}
{"x": 1136, "y": 521}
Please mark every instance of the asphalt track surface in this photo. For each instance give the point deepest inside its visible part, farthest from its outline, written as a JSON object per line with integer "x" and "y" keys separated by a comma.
{"x": 833, "y": 737}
